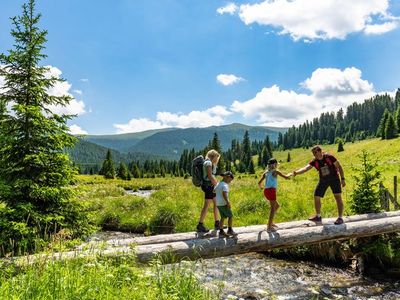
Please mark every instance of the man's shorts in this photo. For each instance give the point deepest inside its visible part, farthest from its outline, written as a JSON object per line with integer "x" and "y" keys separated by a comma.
{"x": 323, "y": 185}
{"x": 270, "y": 194}
{"x": 225, "y": 211}
{"x": 208, "y": 190}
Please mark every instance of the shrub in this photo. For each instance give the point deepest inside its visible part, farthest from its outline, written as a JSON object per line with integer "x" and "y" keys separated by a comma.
{"x": 164, "y": 220}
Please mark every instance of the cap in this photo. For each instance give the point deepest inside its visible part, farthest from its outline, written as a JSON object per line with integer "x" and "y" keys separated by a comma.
{"x": 227, "y": 173}
{"x": 272, "y": 161}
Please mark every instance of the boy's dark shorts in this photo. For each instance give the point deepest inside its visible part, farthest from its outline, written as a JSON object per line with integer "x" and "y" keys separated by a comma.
{"x": 323, "y": 185}
{"x": 208, "y": 190}
{"x": 225, "y": 211}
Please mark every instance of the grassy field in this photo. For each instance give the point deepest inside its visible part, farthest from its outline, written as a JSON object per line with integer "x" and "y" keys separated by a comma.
{"x": 176, "y": 204}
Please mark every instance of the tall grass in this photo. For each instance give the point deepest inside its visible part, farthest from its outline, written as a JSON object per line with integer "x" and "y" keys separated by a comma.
{"x": 101, "y": 278}
{"x": 177, "y": 203}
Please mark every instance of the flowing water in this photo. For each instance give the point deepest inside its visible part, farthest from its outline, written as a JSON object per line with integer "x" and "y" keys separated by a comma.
{"x": 257, "y": 276}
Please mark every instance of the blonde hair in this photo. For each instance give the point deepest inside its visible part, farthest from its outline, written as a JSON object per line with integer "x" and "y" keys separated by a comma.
{"x": 213, "y": 155}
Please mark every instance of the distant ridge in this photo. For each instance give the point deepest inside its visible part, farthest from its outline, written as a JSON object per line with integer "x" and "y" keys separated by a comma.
{"x": 168, "y": 143}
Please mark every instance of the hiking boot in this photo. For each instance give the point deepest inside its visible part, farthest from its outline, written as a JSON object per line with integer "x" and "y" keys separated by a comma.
{"x": 201, "y": 228}
{"x": 231, "y": 232}
{"x": 216, "y": 225}
{"x": 315, "y": 219}
{"x": 222, "y": 234}
{"x": 339, "y": 221}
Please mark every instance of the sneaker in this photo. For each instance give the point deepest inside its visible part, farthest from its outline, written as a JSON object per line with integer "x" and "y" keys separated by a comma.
{"x": 222, "y": 234}
{"x": 339, "y": 221}
{"x": 201, "y": 228}
{"x": 231, "y": 232}
{"x": 216, "y": 225}
{"x": 315, "y": 219}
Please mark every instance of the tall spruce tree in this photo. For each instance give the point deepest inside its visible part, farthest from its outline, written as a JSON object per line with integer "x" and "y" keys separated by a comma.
{"x": 108, "y": 170}
{"x": 35, "y": 173}
{"x": 382, "y": 124}
{"x": 397, "y": 118}
{"x": 216, "y": 145}
{"x": 365, "y": 197}
{"x": 390, "y": 128}
{"x": 246, "y": 150}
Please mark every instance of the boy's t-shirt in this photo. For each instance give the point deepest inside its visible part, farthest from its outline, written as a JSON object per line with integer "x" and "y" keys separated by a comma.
{"x": 222, "y": 186}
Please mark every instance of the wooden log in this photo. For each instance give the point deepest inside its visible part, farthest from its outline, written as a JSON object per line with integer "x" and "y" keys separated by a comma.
{"x": 166, "y": 238}
{"x": 262, "y": 240}
{"x": 256, "y": 240}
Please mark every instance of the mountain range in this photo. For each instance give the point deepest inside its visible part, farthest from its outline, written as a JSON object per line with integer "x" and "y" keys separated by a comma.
{"x": 165, "y": 143}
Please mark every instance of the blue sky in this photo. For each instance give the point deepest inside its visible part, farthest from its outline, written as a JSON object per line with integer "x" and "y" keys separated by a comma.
{"x": 134, "y": 65}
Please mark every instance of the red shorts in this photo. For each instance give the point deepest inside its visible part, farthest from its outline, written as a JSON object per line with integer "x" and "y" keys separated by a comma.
{"x": 270, "y": 194}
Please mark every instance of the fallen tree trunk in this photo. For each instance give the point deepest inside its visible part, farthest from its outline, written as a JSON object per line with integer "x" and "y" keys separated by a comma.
{"x": 262, "y": 240}
{"x": 257, "y": 240}
{"x": 176, "y": 237}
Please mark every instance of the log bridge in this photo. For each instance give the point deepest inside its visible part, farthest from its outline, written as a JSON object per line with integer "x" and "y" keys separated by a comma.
{"x": 254, "y": 238}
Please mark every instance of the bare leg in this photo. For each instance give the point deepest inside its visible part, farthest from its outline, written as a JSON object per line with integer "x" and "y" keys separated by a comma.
{"x": 274, "y": 207}
{"x": 229, "y": 222}
{"x": 216, "y": 215}
{"x": 339, "y": 202}
{"x": 205, "y": 209}
{"x": 317, "y": 204}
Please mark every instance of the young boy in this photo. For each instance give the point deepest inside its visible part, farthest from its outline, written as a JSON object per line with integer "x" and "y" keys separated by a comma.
{"x": 223, "y": 204}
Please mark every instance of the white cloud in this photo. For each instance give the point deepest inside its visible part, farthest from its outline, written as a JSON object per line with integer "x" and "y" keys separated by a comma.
{"x": 228, "y": 79}
{"x": 137, "y": 125}
{"x": 213, "y": 116}
{"x": 380, "y": 28}
{"x": 79, "y": 92}
{"x": 230, "y": 8}
{"x": 315, "y": 19}
{"x": 329, "y": 90}
{"x": 75, "y": 107}
{"x": 84, "y": 80}
{"x": 325, "y": 82}
{"x": 76, "y": 130}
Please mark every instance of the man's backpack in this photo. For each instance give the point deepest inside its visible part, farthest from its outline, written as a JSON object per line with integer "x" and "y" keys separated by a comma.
{"x": 197, "y": 170}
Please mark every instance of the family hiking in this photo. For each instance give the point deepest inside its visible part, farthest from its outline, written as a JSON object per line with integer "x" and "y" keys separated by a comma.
{"x": 204, "y": 172}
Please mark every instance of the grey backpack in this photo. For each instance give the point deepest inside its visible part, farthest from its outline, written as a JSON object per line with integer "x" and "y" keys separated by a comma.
{"x": 197, "y": 170}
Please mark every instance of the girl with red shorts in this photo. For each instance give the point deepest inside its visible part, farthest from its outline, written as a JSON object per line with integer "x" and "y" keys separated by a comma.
{"x": 270, "y": 186}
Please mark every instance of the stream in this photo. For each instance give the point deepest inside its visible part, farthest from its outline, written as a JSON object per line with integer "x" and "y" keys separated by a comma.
{"x": 258, "y": 276}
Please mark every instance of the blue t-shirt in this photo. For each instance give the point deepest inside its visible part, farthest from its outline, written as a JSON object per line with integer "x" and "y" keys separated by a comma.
{"x": 271, "y": 181}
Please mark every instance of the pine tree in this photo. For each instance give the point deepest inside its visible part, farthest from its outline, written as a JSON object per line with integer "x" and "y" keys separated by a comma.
{"x": 288, "y": 157}
{"x": 108, "y": 170}
{"x": 382, "y": 124}
{"x": 390, "y": 128}
{"x": 340, "y": 146}
{"x": 397, "y": 99}
{"x": 34, "y": 170}
{"x": 397, "y": 118}
{"x": 246, "y": 150}
{"x": 250, "y": 168}
{"x": 122, "y": 171}
{"x": 365, "y": 197}
{"x": 216, "y": 145}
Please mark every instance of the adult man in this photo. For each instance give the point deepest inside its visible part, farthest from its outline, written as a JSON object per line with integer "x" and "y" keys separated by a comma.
{"x": 329, "y": 170}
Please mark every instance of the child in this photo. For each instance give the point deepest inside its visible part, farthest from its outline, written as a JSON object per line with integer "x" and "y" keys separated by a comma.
{"x": 223, "y": 204}
{"x": 271, "y": 183}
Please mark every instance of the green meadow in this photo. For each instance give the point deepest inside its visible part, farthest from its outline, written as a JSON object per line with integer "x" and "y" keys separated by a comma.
{"x": 174, "y": 207}
{"x": 176, "y": 203}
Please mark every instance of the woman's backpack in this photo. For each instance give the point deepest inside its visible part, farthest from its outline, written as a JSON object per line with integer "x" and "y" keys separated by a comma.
{"x": 197, "y": 170}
